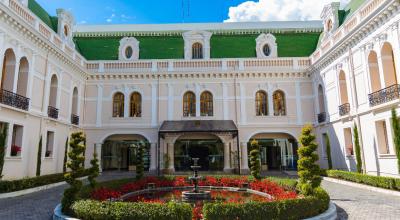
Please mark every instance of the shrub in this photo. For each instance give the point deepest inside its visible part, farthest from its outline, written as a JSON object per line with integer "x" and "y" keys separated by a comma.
{"x": 396, "y": 136}
{"x": 77, "y": 145}
{"x": 377, "y": 181}
{"x": 3, "y": 139}
{"x": 26, "y": 183}
{"x": 95, "y": 210}
{"x": 65, "y": 156}
{"x": 255, "y": 167}
{"x": 39, "y": 157}
{"x": 94, "y": 170}
{"x": 357, "y": 149}
{"x": 308, "y": 170}
{"x": 282, "y": 209}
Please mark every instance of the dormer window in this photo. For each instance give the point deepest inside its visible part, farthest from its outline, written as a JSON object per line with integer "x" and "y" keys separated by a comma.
{"x": 128, "y": 49}
{"x": 197, "y": 51}
{"x": 266, "y": 50}
{"x": 329, "y": 25}
{"x": 266, "y": 46}
{"x": 66, "y": 30}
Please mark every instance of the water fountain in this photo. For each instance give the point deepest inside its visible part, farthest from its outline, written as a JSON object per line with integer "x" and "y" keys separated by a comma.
{"x": 195, "y": 194}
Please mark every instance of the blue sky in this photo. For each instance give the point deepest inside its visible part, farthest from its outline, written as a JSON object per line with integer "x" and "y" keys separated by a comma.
{"x": 142, "y": 11}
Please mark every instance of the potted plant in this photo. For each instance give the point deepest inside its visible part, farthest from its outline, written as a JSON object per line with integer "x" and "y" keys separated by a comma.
{"x": 15, "y": 150}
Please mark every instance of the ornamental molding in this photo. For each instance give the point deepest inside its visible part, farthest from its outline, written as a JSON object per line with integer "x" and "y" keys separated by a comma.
{"x": 66, "y": 23}
{"x": 266, "y": 40}
{"x": 202, "y": 37}
{"x": 128, "y": 49}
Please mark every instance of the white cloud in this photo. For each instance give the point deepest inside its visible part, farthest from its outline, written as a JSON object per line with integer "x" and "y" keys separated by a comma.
{"x": 278, "y": 10}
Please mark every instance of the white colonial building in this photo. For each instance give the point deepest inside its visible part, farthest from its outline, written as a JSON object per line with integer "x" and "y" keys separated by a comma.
{"x": 199, "y": 90}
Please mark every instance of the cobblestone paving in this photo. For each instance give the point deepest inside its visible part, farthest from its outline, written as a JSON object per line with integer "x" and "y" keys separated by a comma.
{"x": 40, "y": 205}
{"x": 355, "y": 203}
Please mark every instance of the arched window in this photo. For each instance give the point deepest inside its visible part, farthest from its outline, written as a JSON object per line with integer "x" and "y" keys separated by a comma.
{"x": 8, "y": 71}
{"x": 329, "y": 25}
{"x": 388, "y": 65}
{"x": 279, "y": 103}
{"x": 261, "y": 103}
{"x": 118, "y": 105}
{"x": 344, "y": 98}
{"x": 374, "y": 71}
{"x": 75, "y": 101}
{"x": 53, "y": 91}
{"x": 206, "y": 104}
{"x": 189, "y": 104}
{"x": 197, "y": 51}
{"x": 22, "y": 85}
{"x": 136, "y": 105}
{"x": 321, "y": 99}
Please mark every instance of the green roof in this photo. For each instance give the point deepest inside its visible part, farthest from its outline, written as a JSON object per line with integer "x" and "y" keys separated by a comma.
{"x": 222, "y": 46}
{"x": 349, "y": 10}
{"x": 50, "y": 21}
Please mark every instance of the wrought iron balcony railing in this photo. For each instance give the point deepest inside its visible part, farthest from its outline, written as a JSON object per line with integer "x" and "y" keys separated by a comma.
{"x": 14, "y": 100}
{"x": 344, "y": 109}
{"x": 321, "y": 117}
{"x": 75, "y": 119}
{"x": 384, "y": 95}
{"x": 52, "y": 112}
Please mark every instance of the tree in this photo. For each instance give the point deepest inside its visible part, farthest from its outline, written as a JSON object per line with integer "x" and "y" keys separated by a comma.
{"x": 328, "y": 151}
{"x": 308, "y": 170}
{"x": 75, "y": 164}
{"x": 357, "y": 149}
{"x": 140, "y": 161}
{"x": 396, "y": 135}
{"x": 65, "y": 156}
{"x": 39, "y": 157}
{"x": 94, "y": 170}
{"x": 3, "y": 139}
{"x": 255, "y": 163}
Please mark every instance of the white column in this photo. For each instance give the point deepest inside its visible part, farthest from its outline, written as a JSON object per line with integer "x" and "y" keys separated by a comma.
{"x": 171, "y": 165}
{"x": 197, "y": 100}
{"x": 227, "y": 163}
{"x": 16, "y": 75}
{"x": 316, "y": 100}
{"x": 396, "y": 49}
{"x": 97, "y": 148}
{"x": 170, "y": 101}
{"x": 298, "y": 105}
{"x": 99, "y": 105}
{"x": 154, "y": 101}
{"x": 380, "y": 65}
{"x": 31, "y": 73}
{"x": 47, "y": 89}
{"x": 244, "y": 166}
{"x": 153, "y": 157}
{"x": 127, "y": 100}
{"x": 225, "y": 101}
{"x": 243, "y": 115}
{"x": 270, "y": 100}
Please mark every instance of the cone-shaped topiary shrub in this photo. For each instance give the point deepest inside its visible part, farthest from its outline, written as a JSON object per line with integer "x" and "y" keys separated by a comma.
{"x": 3, "y": 139}
{"x": 396, "y": 135}
{"x": 75, "y": 164}
{"x": 308, "y": 170}
{"x": 94, "y": 170}
{"x": 140, "y": 161}
{"x": 357, "y": 149}
{"x": 255, "y": 163}
{"x": 39, "y": 158}
{"x": 65, "y": 156}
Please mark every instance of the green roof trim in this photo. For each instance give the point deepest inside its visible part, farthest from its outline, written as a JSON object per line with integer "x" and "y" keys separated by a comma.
{"x": 222, "y": 46}
{"x": 50, "y": 21}
{"x": 349, "y": 10}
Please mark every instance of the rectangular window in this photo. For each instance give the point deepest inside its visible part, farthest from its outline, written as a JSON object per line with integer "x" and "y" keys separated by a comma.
{"x": 16, "y": 142}
{"x": 49, "y": 144}
{"x": 382, "y": 137}
{"x": 348, "y": 142}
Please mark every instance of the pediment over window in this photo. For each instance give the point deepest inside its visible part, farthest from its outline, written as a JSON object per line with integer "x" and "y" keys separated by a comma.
{"x": 197, "y": 44}
{"x": 266, "y": 46}
{"x": 128, "y": 49}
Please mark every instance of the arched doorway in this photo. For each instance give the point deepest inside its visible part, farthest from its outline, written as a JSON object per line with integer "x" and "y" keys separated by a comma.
{"x": 119, "y": 152}
{"x": 207, "y": 147}
{"x": 278, "y": 151}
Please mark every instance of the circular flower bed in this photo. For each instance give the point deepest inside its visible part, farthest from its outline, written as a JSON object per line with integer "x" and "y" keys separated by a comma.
{"x": 280, "y": 202}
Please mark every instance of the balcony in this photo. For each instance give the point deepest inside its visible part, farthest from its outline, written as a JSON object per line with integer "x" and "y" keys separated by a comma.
{"x": 14, "y": 100}
{"x": 52, "y": 112}
{"x": 321, "y": 117}
{"x": 74, "y": 119}
{"x": 384, "y": 95}
{"x": 344, "y": 109}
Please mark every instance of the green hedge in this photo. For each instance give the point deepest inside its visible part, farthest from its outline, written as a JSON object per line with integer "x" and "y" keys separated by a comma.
{"x": 284, "y": 209}
{"x": 377, "y": 181}
{"x": 95, "y": 210}
{"x": 26, "y": 183}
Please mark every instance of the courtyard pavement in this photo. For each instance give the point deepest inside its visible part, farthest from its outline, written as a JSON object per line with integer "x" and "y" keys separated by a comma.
{"x": 352, "y": 203}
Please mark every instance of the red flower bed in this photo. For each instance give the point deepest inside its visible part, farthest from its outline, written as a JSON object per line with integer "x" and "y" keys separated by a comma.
{"x": 103, "y": 194}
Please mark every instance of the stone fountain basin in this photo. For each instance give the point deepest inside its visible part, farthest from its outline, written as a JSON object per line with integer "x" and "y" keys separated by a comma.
{"x": 190, "y": 188}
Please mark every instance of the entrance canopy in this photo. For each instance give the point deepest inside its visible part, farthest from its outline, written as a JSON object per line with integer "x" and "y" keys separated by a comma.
{"x": 194, "y": 126}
